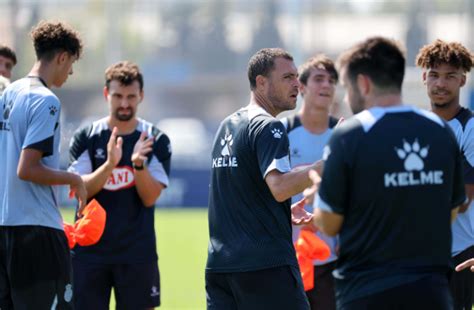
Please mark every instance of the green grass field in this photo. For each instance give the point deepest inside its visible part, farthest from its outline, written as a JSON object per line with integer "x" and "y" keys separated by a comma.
{"x": 182, "y": 237}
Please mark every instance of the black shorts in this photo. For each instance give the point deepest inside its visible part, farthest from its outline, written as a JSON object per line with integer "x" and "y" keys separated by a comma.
{"x": 35, "y": 268}
{"x": 430, "y": 292}
{"x": 274, "y": 288}
{"x": 136, "y": 286}
{"x": 322, "y": 295}
{"x": 461, "y": 283}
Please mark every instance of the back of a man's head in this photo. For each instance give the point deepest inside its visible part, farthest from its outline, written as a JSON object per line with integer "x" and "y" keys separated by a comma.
{"x": 262, "y": 63}
{"x": 50, "y": 38}
{"x": 381, "y": 59}
{"x": 125, "y": 72}
{"x": 440, "y": 52}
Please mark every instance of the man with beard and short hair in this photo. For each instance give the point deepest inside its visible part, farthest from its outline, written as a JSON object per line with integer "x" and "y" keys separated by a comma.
{"x": 251, "y": 259}
{"x": 124, "y": 162}
{"x": 444, "y": 73}
{"x": 392, "y": 182}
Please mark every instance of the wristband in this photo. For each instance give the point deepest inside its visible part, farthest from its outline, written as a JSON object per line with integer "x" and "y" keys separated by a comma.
{"x": 138, "y": 168}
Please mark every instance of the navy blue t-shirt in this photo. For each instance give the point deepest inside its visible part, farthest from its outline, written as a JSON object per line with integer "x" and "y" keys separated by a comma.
{"x": 395, "y": 174}
{"x": 249, "y": 229}
{"x": 129, "y": 235}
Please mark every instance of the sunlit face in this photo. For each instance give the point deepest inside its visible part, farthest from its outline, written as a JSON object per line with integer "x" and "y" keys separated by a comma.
{"x": 282, "y": 85}
{"x": 65, "y": 63}
{"x": 443, "y": 84}
{"x": 319, "y": 89}
{"x": 353, "y": 96}
{"x": 123, "y": 99}
{"x": 6, "y": 66}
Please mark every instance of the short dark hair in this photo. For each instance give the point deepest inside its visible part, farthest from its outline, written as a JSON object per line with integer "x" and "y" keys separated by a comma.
{"x": 49, "y": 38}
{"x": 7, "y": 52}
{"x": 320, "y": 61}
{"x": 262, "y": 62}
{"x": 441, "y": 52}
{"x": 125, "y": 72}
{"x": 381, "y": 59}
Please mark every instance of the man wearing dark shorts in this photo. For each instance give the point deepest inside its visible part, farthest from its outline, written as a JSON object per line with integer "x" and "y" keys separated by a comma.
{"x": 251, "y": 260}
{"x": 35, "y": 265}
{"x": 392, "y": 182}
{"x": 124, "y": 161}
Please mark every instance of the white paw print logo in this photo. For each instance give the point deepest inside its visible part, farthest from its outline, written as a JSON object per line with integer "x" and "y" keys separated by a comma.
{"x": 412, "y": 155}
{"x": 226, "y": 142}
{"x": 276, "y": 133}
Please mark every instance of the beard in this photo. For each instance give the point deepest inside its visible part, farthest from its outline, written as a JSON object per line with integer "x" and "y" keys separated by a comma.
{"x": 279, "y": 102}
{"x": 124, "y": 117}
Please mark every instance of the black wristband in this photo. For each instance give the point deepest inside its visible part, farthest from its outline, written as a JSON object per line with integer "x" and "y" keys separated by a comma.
{"x": 138, "y": 167}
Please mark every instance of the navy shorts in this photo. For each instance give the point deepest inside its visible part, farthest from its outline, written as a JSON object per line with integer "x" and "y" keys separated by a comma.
{"x": 274, "y": 288}
{"x": 35, "y": 268}
{"x": 430, "y": 292}
{"x": 136, "y": 286}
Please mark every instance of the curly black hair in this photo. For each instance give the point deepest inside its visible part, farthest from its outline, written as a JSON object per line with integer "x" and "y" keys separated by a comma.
{"x": 441, "y": 52}
{"x": 50, "y": 38}
{"x": 125, "y": 72}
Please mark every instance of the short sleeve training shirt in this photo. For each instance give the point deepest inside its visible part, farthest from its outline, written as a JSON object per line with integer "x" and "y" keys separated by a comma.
{"x": 129, "y": 235}
{"x": 29, "y": 120}
{"x": 395, "y": 174}
{"x": 249, "y": 229}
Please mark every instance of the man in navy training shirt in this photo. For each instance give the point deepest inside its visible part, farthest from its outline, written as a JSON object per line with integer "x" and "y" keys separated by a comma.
{"x": 124, "y": 161}
{"x": 251, "y": 261}
{"x": 391, "y": 185}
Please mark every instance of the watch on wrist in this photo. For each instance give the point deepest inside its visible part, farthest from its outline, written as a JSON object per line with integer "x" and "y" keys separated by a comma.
{"x": 136, "y": 167}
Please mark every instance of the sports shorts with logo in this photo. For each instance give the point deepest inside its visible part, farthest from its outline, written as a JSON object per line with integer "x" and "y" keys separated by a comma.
{"x": 136, "y": 286}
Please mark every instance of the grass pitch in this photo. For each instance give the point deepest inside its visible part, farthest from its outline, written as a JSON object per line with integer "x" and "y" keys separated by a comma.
{"x": 182, "y": 237}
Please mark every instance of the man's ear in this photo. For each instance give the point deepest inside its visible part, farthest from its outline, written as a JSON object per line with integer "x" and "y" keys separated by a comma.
{"x": 364, "y": 83}
{"x": 302, "y": 89}
{"x": 260, "y": 81}
{"x": 423, "y": 76}
{"x": 463, "y": 80}
{"x": 106, "y": 93}
{"x": 61, "y": 57}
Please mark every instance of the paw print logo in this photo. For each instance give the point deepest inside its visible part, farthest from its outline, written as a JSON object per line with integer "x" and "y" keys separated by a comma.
{"x": 413, "y": 155}
{"x": 52, "y": 110}
{"x": 277, "y": 133}
{"x": 226, "y": 143}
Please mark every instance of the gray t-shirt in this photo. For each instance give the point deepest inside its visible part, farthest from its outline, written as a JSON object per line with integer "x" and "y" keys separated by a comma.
{"x": 29, "y": 119}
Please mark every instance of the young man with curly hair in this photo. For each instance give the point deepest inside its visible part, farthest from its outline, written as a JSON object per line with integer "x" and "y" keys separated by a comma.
{"x": 125, "y": 163}
{"x": 445, "y": 65}
{"x": 35, "y": 264}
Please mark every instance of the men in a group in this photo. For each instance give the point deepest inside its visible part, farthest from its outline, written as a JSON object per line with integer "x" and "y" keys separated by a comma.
{"x": 309, "y": 131}
{"x": 444, "y": 73}
{"x": 124, "y": 162}
{"x": 251, "y": 260}
{"x": 392, "y": 182}
{"x": 35, "y": 264}
{"x": 7, "y": 61}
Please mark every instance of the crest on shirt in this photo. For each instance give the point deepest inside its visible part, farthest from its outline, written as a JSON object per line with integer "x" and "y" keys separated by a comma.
{"x": 52, "y": 110}
{"x": 99, "y": 153}
{"x": 226, "y": 143}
